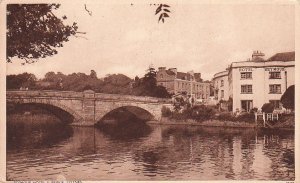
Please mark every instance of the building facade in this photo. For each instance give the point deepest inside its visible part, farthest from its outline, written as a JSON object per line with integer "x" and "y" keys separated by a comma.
{"x": 178, "y": 82}
{"x": 257, "y": 81}
{"x": 221, "y": 86}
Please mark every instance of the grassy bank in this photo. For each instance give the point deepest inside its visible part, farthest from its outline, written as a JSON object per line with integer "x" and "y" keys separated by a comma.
{"x": 213, "y": 122}
{"x": 286, "y": 123}
{"x": 209, "y": 116}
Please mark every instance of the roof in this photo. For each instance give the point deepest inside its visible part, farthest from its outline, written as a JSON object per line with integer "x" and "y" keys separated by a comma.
{"x": 182, "y": 75}
{"x": 169, "y": 72}
{"x": 285, "y": 56}
{"x": 198, "y": 77}
{"x": 220, "y": 74}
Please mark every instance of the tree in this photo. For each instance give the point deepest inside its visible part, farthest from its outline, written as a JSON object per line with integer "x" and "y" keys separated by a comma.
{"x": 33, "y": 31}
{"x": 149, "y": 79}
{"x": 288, "y": 98}
{"x": 161, "y": 92}
{"x": 93, "y": 74}
{"x": 267, "y": 108}
{"x": 163, "y": 10}
{"x": 24, "y": 80}
{"x": 50, "y": 76}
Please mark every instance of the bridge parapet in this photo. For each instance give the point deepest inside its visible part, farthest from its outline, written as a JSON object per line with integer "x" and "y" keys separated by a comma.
{"x": 44, "y": 93}
{"x": 105, "y": 96}
{"x": 86, "y": 94}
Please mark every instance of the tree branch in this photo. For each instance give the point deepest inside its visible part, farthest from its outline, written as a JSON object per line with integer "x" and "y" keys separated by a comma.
{"x": 89, "y": 12}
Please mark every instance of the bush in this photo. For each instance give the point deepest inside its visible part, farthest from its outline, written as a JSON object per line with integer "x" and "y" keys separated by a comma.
{"x": 246, "y": 117}
{"x": 288, "y": 98}
{"x": 226, "y": 116}
{"x": 198, "y": 113}
{"x": 202, "y": 112}
{"x": 180, "y": 116}
{"x": 161, "y": 92}
{"x": 267, "y": 108}
{"x": 165, "y": 111}
{"x": 253, "y": 110}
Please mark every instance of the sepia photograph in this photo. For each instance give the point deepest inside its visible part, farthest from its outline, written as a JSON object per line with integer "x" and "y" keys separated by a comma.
{"x": 149, "y": 91}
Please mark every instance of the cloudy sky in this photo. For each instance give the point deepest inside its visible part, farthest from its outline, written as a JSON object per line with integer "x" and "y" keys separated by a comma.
{"x": 206, "y": 38}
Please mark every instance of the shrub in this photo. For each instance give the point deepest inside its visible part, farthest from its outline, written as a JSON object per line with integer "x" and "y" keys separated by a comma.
{"x": 247, "y": 117}
{"x": 180, "y": 116}
{"x": 267, "y": 108}
{"x": 202, "y": 112}
{"x": 161, "y": 92}
{"x": 288, "y": 98}
{"x": 165, "y": 111}
{"x": 226, "y": 116}
{"x": 253, "y": 110}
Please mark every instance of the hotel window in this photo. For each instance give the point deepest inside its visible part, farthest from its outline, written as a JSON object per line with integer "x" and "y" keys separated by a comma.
{"x": 222, "y": 82}
{"x": 276, "y": 103}
{"x": 274, "y": 75}
{"x": 246, "y": 75}
{"x": 161, "y": 76}
{"x": 222, "y": 93}
{"x": 246, "y": 89}
{"x": 275, "y": 88}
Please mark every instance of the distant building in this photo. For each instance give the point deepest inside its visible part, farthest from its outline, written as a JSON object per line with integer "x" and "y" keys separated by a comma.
{"x": 179, "y": 82}
{"x": 258, "y": 81}
{"x": 220, "y": 86}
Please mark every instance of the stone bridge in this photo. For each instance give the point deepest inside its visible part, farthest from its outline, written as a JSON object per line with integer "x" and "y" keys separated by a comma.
{"x": 88, "y": 107}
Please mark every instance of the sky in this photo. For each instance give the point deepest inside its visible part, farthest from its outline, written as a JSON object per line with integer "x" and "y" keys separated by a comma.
{"x": 205, "y": 38}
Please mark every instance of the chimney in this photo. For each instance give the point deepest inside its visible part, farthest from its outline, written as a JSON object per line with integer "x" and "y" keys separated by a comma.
{"x": 161, "y": 68}
{"x": 257, "y": 56}
{"x": 198, "y": 76}
{"x": 173, "y": 70}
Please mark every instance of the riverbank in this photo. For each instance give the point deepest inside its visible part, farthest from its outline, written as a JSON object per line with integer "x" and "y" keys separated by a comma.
{"x": 216, "y": 123}
{"x": 212, "y": 123}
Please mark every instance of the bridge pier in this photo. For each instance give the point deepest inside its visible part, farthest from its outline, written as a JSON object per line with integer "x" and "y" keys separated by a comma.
{"x": 88, "y": 108}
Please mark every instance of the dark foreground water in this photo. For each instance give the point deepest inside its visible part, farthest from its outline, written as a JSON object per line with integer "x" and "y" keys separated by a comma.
{"x": 151, "y": 153}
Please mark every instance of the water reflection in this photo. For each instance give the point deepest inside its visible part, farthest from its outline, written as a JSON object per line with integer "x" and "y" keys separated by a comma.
{"x": 125, "y": 130}
{"x": 23, "y": 135}
{"x": 161, "y": 153}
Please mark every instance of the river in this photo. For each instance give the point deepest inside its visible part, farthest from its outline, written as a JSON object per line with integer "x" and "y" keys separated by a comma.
{"x": 149, "y": 152}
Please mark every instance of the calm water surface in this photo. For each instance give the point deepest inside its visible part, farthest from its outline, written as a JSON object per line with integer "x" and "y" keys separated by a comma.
{"x": 152, "y": 153}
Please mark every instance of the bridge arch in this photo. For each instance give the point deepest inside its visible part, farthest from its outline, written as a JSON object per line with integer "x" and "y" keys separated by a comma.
{"x": 139, "y": 112}
{"x": 56, "y": 107}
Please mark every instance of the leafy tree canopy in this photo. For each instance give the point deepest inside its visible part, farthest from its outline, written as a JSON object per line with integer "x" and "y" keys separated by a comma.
{"x": 24, "y": 80}
{"x": 147, "y": 86}
{"x": 288, "y": 98}
{"x": 114, "y": 83}
{"x": 267, "y": 108}
{"x": 33, "y": 31}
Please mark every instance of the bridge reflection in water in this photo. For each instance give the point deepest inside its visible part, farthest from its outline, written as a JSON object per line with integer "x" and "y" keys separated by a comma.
{"x": 160, "y": 153}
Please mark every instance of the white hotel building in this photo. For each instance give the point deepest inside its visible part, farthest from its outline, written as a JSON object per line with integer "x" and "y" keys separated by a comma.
{"x": 257, "y": 81}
